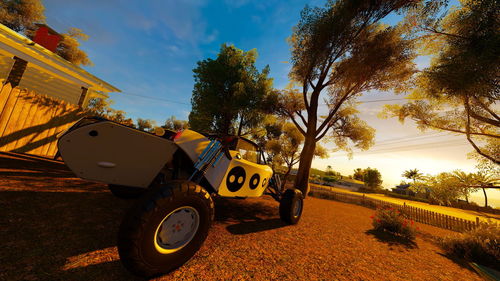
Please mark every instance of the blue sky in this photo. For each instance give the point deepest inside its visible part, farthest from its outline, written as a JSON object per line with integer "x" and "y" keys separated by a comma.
{"x": 149, "y": 48}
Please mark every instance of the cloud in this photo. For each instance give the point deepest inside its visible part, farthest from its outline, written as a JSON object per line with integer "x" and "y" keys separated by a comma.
{"x": 183, "y": 19}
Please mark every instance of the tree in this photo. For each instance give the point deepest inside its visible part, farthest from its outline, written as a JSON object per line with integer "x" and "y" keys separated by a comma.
{"x": 372, "y": 178}
{"x": 230, "y": 95}
{"x": 329, "y": 170}
{"x": 486, "y": 181}
{"x": 69, "y": 49}
{"x": 175, "y": 124}
{"x": 467, "y": 182}
{"x": 342, "y": 50}
{"x": 120, "y": 117}
{"x": 102, "y": 108}
{"x": 444, "y": 188}
{"x": 145, "y": 124}
{"x": 412, "y": 175}
{"x": 286, "y": 149}
{"x": 21, "y": 16}
{"x": 459, "y": 91}
{"x": 99, "y": 106}
{"x": 358, "y": 174}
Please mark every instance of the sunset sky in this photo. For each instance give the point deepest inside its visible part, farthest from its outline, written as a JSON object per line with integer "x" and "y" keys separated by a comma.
{"x": 149, "y": 48}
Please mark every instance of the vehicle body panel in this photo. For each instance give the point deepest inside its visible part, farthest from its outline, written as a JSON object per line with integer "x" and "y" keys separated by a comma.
{"x": 109, "y": 152}
{"x": 116, "y": 155}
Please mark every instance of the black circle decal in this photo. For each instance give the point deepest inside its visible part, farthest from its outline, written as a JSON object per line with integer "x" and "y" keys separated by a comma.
{"x": 235, "y": 179}
{"x": 254, "y": 181}
{"x": 93, "y": 133}
{"x": 264, "y": 182}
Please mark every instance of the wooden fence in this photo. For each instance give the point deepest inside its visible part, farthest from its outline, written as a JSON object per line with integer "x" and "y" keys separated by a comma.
{"x": 414, "y": 213}
{"x": 29, "y": 122}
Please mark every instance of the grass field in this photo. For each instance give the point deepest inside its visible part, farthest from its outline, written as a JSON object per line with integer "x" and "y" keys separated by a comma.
{"x": 57, "y": 227}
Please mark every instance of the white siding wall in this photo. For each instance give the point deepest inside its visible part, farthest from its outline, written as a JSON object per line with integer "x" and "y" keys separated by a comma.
{"x": 6, "y": 63}
{"x": 44, "y": 83}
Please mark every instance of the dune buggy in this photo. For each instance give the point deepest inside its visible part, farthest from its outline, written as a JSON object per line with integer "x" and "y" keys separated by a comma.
{"x": 175, "y": 175}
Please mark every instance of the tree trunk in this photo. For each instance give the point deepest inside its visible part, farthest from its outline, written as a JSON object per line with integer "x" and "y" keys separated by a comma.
{"x": 485, "y": 197}
{"x": 285, "y": 177}
{"x": 240, "y": 126}
{"x": 306, "y": 157}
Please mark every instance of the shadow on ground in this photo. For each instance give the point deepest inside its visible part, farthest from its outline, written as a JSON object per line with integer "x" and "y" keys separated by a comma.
{"x": 245, "y": 216}
{"x": 391, "y": 239}
{"x": 56, "y": 227}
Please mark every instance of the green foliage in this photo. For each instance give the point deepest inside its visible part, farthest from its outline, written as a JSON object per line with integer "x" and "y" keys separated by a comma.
{"x": 393, "y": 221}
{"x": 145, "y": 124}
{"x": 444, "y": 189}
{"x": 342, "y": 51}
{"x": 69, "y": 49}
{"x": 371, "y": 177}
{"x": 460, "y": 89}
{"x": 358, "y": 174}
{"x": 467, "y": 183}
{"x": 481, "y": 245}
{"x": 21, "y": 16}
{"x": 175, "y": 124}
{"x": 286, "y": 148}
{"x": 230, "y": 95}
{"x": 412, "y": 175}
{"x": 332, "y": 178}
{"x": 101, "y": 107}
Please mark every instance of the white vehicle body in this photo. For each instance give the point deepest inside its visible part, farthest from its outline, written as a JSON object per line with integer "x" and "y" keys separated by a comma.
{"x": 105, "y": 151}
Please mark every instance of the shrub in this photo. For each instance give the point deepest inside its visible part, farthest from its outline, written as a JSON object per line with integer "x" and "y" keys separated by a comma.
{"x": 481, "y": 245}
{"x": 393, "y": 221}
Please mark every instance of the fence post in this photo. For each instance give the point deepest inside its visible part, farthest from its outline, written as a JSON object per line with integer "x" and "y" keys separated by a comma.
{"x": 477, "y": 221}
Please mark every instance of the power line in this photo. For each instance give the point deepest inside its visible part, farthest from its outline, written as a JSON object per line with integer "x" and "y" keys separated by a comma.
{"x": 439, "y": 144}
{"x": 412, "y": 139}
{"x": 185, "y": 103}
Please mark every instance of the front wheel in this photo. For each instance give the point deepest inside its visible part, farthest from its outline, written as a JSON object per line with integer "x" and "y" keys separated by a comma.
{"x": 291, "y": 205}
{"x": 165, "y": 229}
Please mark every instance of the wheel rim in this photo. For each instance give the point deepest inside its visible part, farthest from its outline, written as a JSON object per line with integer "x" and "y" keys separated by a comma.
{"x": 297, "y": 208}
{"x": 176, "y": 229}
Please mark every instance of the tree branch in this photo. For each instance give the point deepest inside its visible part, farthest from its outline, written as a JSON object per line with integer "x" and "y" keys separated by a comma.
{"x": 484, "y": 119}
{"x": 336, "y": 108}
{"x": 304, "y": 94}
{"x": 297, "y": 124}
{"x": 301, "y": 117}
{"x": 478, "y": 101}
{"x": 467, "y": 130}
{"x": 331, "y": 123}
{"x": 433, "y": 30}
{"x": 456, "y": 130}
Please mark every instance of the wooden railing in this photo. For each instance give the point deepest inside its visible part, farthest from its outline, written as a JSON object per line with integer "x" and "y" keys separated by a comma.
{"x": 411, "y": 212}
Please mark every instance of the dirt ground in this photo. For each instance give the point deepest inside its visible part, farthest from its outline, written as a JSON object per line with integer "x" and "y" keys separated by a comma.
{"x": 54, "y": 226}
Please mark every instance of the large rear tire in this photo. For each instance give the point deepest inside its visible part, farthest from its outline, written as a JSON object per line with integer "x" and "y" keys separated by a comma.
{"x": 291, "y": 205}
{"x": 165, "y": 229}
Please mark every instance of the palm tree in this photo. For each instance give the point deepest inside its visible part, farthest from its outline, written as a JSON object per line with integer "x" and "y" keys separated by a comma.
{"x": 485, "y": 180}
{"x": 412, "y": 175}
{"x": 467, "y": 182}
